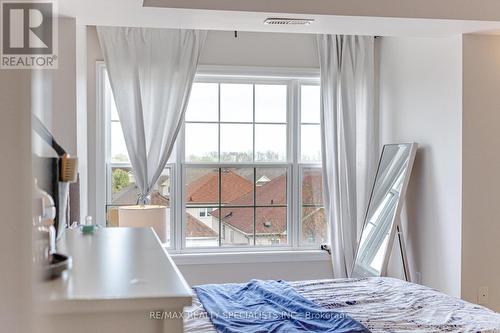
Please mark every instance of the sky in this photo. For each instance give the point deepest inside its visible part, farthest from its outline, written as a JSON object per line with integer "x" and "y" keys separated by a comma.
{"x": 237, "y": 106}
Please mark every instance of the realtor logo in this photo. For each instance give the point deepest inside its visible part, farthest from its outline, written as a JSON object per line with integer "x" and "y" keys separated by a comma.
{"x": 28, "y": 34}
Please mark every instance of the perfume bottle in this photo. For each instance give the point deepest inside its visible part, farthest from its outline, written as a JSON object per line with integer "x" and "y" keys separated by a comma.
{"x": 89, "y": 227}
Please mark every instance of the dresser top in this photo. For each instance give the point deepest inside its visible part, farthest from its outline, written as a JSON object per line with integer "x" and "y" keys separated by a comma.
{"x": 122, "y": 268}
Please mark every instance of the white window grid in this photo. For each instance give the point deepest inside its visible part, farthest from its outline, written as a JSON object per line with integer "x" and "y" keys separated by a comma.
{"x": 293, "y": 78}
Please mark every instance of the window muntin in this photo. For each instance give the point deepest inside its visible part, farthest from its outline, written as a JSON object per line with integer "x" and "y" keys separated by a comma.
{"x": 276, "y": 143}
{"x": 250, "y": 209}
{"x": 250, "y": 126}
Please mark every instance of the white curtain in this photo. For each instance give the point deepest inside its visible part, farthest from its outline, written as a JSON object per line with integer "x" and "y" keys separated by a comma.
{"x": 151, "y": 72}
{"x": 349, "y": 139}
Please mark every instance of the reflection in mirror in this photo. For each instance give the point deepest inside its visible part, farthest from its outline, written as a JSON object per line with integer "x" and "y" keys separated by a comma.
{"x": 385, "y": 203}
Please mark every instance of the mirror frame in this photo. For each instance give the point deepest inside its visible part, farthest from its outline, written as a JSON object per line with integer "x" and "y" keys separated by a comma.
{"x": 396, "y": 227}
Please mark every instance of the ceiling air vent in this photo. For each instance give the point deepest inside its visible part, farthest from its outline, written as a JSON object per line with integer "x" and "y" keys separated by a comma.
{"x": 287, "y": 21}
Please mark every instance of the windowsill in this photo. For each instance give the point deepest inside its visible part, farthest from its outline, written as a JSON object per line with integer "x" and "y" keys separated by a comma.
{"x": 249, "y": 257}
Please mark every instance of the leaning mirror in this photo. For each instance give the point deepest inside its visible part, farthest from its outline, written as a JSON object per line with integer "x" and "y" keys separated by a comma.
{"x": 382, "y": 222}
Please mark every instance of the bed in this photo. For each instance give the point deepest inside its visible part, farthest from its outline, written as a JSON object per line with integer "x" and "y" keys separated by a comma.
{"x": 381, "y": 305}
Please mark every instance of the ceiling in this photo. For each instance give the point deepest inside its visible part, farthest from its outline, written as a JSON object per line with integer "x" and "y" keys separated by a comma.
{"x": 480, "y": 10}
{"x": 133, "y": 13}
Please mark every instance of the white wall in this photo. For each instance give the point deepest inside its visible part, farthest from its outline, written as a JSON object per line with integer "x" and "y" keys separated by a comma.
{"x": 481, "y": 168}
{"x": 260, "y": 49}
{"x": 55, "y": 99}
{"x": 59, "y": 100}
{"x": 64, "y": 116}
{"x": 242, "y": 272}
{"x": 94, "y": 54}
{"x": 81, "y": 114}
{"x": 420, "y": 100}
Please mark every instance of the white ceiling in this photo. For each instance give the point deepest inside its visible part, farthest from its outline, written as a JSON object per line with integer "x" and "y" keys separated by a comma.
{"x": 132, "y": 13}
{"x": 480, "y": 10}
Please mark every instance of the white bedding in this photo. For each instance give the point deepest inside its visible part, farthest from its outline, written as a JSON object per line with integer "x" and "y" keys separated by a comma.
{"x": 382, "y": 305}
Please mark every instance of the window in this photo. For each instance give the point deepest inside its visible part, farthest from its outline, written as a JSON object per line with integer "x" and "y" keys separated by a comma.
{"x": 313, "y": 218}
{"x": 247, "y": 166}
{"x": 235, "y": 122}
{"x": 205, "y": 212}
{"x": 248, "y": 202}
{"x": 121, "y": 189}
{"x": 246, "y": 124}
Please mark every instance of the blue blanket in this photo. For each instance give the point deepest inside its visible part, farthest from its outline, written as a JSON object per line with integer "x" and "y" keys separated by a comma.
{"x": 269, "y": 306}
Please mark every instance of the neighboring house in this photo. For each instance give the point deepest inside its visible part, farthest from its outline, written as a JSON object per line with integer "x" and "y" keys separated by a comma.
{"x": 199, "y": 234}
{"x": 202, "y": 195}
{"x": 128, "y": 196}
{"x": 201, "y": 190}
{"x": 271, "y": 221}
{"x": 237, "y": 224}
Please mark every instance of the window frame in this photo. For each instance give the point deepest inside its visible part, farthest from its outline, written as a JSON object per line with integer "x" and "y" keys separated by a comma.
{"x": 293, "y": 78}
{"x": 233, "y": 248}
{"x": 241, "y": 79}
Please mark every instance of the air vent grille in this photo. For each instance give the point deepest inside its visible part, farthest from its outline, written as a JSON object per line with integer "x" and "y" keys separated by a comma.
{"x": 287, "y": 21}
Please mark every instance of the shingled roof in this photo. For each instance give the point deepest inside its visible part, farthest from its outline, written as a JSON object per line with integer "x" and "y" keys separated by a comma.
{"x": 269, "y": 220}
{"x": 272, "y": 220}
{"x": 129, "y": 195}
{"x": 196, "y": 228}
{"x": 203, "y": 190}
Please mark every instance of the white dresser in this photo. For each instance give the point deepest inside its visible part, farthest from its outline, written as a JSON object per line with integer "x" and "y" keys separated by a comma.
{"x": 122, "y": 281}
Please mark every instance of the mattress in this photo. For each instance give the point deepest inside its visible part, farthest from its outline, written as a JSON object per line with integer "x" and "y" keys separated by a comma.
{"x": 382, "y": 305}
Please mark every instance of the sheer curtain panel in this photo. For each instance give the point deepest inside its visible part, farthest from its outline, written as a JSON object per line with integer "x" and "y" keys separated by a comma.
{"x": 151, "y": 72}
{"x": 349, "y": 139}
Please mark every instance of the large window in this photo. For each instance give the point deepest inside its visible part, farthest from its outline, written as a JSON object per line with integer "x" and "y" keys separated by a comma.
{"x": 236, "y": 163}
{"x": 246, "y": 172}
